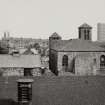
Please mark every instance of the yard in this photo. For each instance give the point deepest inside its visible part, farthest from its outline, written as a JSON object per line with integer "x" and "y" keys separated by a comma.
{"x": 69, "y": 90}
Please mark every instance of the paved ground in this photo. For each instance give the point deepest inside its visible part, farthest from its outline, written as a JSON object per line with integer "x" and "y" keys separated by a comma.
{"x": 69, "y": 90}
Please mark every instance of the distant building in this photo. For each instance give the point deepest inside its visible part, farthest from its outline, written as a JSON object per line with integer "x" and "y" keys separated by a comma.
{"x": 22, "y": 50}
{"x": 76, "y": 56}
{"x": 14, "y": 42}
{"x": 25, "y": 51}
{"x": 101, "y": 31}
{"x": 20, "y": 65}
{"x": 30, "y": 51}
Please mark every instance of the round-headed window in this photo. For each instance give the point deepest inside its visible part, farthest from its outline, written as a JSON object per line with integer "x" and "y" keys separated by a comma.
{"x": 102, "y": 61}
{"x": 65, "y": 60}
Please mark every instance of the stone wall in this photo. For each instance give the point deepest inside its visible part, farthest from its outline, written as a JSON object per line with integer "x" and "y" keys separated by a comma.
{"x": 19, "y": 72}
{"x": 36, "y": 72}
{"x": 53, "y": 61}
{"x": 86, "y": 63}
{"x": 70, "y": 59}
{"x": 12, "y": 71}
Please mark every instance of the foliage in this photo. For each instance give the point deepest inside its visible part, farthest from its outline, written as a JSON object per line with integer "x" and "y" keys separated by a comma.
{"x": 36, "y": 46}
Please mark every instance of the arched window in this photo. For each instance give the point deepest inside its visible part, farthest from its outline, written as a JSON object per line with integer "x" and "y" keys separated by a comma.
{"x": 79, "y": 34}
{"x": 65, "y": 60}
{"x": 88, "y": 32}
{"x": 102, "y": 61}
{"x": 85, "y": 34}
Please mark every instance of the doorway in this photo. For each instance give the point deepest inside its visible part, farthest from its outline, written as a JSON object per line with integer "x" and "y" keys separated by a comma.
{"x": 27, "y": 71}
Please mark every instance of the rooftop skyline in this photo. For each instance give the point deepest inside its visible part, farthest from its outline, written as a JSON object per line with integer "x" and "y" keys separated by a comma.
{"x": 39, "y": 19}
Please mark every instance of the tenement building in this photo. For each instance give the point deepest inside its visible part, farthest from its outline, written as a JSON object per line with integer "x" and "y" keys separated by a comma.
{"x": 76, "y": 56}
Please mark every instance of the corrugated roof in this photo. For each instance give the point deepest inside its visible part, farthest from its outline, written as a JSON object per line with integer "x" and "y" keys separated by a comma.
{"x": 25, "y": 61}
{"x": 77, "y": 45}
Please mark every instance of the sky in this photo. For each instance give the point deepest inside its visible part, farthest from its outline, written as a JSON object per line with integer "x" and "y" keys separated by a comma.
{"x": 41, "y": 18}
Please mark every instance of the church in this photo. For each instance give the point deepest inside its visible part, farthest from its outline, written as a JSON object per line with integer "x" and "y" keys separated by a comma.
{"x": 80, "y": 56}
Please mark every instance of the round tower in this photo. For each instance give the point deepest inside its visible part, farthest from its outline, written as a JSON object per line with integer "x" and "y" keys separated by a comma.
{"x": 53, "y": 39}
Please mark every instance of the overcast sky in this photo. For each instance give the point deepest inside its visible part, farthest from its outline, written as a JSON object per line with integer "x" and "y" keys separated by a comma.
{"x": 40, "y": 18}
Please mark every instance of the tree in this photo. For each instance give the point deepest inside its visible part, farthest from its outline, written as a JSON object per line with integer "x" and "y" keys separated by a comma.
{"x": 36, "y": 46}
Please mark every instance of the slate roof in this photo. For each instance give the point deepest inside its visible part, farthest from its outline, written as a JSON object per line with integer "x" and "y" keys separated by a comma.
{"x": 57, "y": 44}
{"x": 55, "y": 35}
{"x": 100, "y": 44}
{"x": 85, "y": 25}
{"x": 76, "y": 45}
{"x": 30, "y": 51}
{"x": 25, "y": 61}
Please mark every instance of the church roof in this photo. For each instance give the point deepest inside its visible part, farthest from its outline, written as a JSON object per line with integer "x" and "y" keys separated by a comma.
{"x": 58, "y": 44}
{"x": 55, "y": 35}
{"x": 76, "y": 45}
{"x": 85, "y": 25}
{"x": 101, "y": 44}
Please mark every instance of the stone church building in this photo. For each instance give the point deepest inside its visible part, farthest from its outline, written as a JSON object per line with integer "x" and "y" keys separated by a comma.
{"x": 76, "y": 56}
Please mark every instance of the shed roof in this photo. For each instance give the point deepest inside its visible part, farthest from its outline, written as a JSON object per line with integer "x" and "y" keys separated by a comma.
{"x": 24, "y": 61}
